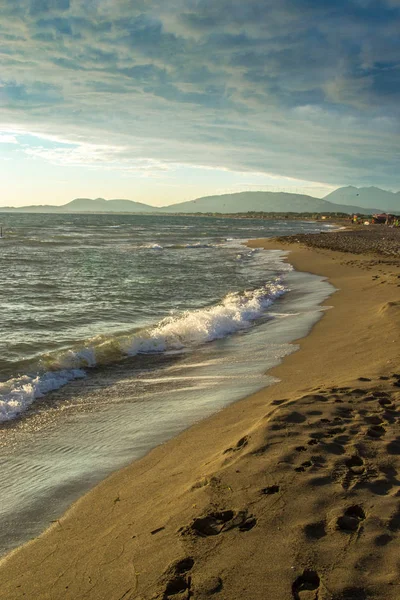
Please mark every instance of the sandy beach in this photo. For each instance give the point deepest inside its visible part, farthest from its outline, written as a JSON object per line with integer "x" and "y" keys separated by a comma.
{"x": 291, "y": 493}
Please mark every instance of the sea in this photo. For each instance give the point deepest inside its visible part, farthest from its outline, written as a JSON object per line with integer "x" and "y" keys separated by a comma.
{"x": 119, "y": 331}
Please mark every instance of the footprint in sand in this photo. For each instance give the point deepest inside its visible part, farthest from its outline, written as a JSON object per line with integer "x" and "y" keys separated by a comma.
{"x": 306, "y": 586}
{"x": 355, "y": 470}
{"x": 175, "y": 586}
{"x": 311, "y": 398}
{"x": 374, "y": 420}
{"x": 305, "y": 465}
{"x": 179, "y": 581}
{"x": 315, "y": 531}
{"x": 394, "y": 521}
{"x": 350, "y": 521}
{"x": 242, "y": 443}
{"x": 355, "y": 464}
{"x": 217, "y": 522}
{"x": 388, "y": 407}
{"x": 337, "y": 399}
{"x": 313, "y": 442}
{"x": 383, "y": 540}
{"x": 376, "y": 431}
{"x": 384, "y": 401}
{"x": 380, "y": 394}
{"x": 335, "y": 431}
{"x": 301, "y": 449}
{"x": 270, "y": 490}
{"x": 346, "y": 413}
{"x": 357, "y": 392}
{"x": 208, "y": 587}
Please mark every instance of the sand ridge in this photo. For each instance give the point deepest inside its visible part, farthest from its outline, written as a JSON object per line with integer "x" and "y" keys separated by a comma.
{"x": 291, "y": 493}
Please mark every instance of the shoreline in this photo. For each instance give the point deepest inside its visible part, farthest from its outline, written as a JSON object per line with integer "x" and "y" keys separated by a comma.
{"x": 81, "y": 418}
{"x": 118, "y": 540}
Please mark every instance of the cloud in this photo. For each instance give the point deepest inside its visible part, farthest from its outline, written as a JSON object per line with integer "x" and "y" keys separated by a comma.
{"x": 15, "y": 95}
{"x": 299, "y": 88}
{"x": 93, "y": 156}
{"x": 39, "y": 7}
{"x": 6, "y": 138}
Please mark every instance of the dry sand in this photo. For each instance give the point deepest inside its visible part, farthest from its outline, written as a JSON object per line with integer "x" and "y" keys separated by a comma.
{"x": 292, "y": 493}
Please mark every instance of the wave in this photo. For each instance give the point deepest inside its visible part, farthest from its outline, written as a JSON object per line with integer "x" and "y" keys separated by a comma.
{"x": 17, "y": 394}
{"x": 194, "y": 245}
{"x": 236, "y": 312}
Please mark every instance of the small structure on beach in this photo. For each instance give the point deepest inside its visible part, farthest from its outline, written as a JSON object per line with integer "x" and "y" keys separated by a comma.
{"x": 386, "y": 219}
{"x": 379, "y": 218}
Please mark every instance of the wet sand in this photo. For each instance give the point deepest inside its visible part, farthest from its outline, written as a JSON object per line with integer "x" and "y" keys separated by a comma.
{"x": 292, "y": 493}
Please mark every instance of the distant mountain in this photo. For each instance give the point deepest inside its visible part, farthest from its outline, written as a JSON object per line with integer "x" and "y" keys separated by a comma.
{"x": 225, "y": 203}
{"x": 369, "y": 197}
{"x": 87, "y": 205}
{"x": 33, "y": 208}
{"x": 259, "y": 201}
{"x": 102, "y": 205}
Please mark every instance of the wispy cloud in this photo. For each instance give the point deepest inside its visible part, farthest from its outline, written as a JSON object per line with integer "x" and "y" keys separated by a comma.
{"x": 6, "y": 138}
{"x": 309, "y": 90}
{"x": 96, "y": 157}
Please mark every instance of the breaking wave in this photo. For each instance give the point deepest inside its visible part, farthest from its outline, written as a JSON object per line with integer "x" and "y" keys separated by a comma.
{"x": 18, "y": 393}
{"x": 188, "y": 246}
{"x": 236, "y": 312}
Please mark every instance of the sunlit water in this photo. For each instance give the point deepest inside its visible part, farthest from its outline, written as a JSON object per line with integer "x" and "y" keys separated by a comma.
{"x": 120, "y": 331}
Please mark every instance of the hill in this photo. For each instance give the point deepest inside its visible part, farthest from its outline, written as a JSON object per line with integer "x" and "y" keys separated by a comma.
{"x": 260, "y": 201}
{"x": 270, "y": 202}
{"x": 102, "y": 205}
{"x": 369, "y": 197}
{"x": 96, "y": 205}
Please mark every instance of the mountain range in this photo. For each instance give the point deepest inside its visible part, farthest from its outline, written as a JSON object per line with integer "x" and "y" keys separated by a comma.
{"x": 368, "y": 197}
{"x": 346, "y": 199}
{"x": 264, "y": 201}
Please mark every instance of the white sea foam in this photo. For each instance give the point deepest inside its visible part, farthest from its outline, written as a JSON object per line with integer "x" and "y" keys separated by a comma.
{"x": 198, "y": 245}
{"x": 189, "y": 245}
{"x": 236, "y": 312}
{"x": 17, "y": 394}
{"x": 73, "y": 359}
{"x": 149, "y": 246}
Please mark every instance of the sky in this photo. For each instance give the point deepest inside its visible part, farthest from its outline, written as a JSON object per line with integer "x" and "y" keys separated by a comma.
{"x": 163, "y": 101}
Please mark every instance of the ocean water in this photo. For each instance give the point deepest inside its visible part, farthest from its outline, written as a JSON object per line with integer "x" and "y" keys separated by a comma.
{"x": 118, "y": 331}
